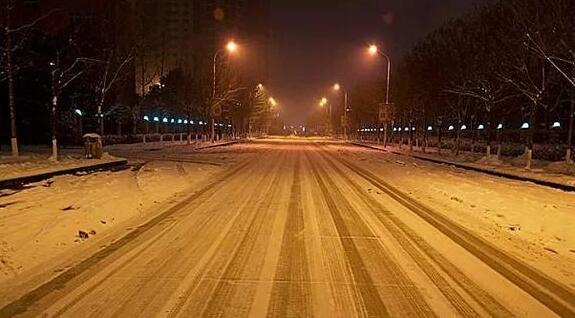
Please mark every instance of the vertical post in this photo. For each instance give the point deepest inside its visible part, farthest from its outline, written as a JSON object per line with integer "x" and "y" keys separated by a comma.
{"x": 568, "y": 157}
{"x": 388, "y": 79}
{"x": 345, "y": 116}
{"x": 212, "y": 109}
{"x": 10, "y": 70}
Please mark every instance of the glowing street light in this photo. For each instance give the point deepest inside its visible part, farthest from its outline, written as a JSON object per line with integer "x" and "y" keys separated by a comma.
{"x": 374, "y": 50}
{"x": 231, "y": 47}
{"x": 337, "y": 87}
{"x": 323, "y": 101}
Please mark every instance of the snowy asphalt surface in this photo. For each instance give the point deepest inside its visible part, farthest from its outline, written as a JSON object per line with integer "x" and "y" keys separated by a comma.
{"x": 298, "y": 229}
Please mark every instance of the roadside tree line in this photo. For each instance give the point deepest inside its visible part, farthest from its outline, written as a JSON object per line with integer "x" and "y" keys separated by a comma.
{"x": 95, "y": 74}
{"x": 506, "y": 68}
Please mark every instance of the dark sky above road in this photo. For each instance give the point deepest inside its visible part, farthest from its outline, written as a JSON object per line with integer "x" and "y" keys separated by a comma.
{"x": 317, "y": 42}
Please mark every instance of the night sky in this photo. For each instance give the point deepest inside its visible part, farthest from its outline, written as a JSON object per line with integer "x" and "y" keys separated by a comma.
{"x": 318, "y": 42}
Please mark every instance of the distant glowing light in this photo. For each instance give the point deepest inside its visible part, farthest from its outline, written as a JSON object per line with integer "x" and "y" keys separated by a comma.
{"x": 394, "y": 128}
{"x": 78, "y": 112}
{"x": 180, "y": 121}
{"x": 412, "y": 128}
{"x": 165, "y": 120}
{"x": 172, "y": 121}
{"x": 232, "y": 46}
{"x": 201, "y": 122}
{"x": 451, "y": 128}
{"x": 156, "y": 119}
{"x": 463, "y": 127}
{"x": 146, "y": 118}
{"x": 556, "y": 125}
{"x": 372, "y": 49}
{"x": 500, "y": 126}
{"x": 525, "y": 126}
{"x": 406, "y": 129}
{"x": 481, "y": 127}
{"x": 429, "y": 128}
{"x": 185, "y": 121}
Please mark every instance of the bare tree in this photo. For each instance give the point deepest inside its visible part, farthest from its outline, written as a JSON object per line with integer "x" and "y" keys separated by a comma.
{"x": 112, "y": 70}
{"x": 64, "y": 72}
{"x": 9, "y": 66}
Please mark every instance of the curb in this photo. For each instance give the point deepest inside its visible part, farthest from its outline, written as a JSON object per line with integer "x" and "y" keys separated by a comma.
{"x": 493, "y": 172}
{"x": 16, "y": 182}
{"x": 229, "y": 143}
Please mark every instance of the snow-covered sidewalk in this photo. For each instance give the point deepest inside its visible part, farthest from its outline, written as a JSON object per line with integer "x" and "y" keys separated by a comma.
{"x": 47, "y": 219}
{"x": 558, "y": 175}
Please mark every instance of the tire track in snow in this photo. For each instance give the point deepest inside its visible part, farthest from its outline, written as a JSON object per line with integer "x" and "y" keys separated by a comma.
{"x": 194, "y": 277}
{"x": 370, "y": 301}
{"x": 414, "y": 245}
{"x": 556, "y": 296}
{"x": 225, "y": 288}
{"x": 291, "y": 292}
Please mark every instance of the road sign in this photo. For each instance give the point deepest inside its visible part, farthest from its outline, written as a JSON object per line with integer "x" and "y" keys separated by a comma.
{"x": 217, "y": 111}
{"x": 385, "y": 112}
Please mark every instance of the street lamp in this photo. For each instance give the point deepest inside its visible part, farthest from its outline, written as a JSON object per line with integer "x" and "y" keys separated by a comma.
{"x": 373, "y": 50}
{"x": 322, "y": 103}
{"x": 231, "y": 47}
{"x": 272, "y": 104}
{"x": 337, "y": 87}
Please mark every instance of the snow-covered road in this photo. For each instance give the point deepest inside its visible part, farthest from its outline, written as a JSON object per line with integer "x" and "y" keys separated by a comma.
{"x": 293, "y": 228}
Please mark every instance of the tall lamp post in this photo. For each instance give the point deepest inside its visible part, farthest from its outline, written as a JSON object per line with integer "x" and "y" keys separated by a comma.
{"x": 373, "y": 50}
{"x": 231, "y": 47}
{"x": 323, "y": 103}
{"x": 338, "y": 87}
{"x": 272, "y": 105}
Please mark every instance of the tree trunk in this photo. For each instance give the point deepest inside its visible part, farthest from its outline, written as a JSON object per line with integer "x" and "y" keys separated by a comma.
{"x": 410, "y": 138}
{"x": 457, "y": 140}
{"x": 530, "y": 134}
{"x": 11, "y": 98}
{"x": 488, "y": 132}
{"x": 134, "y": 123}
{"x": 439, "y": 139}
{"x": 54, "y": 128}
{"x": 385, "y": 135}
{"x": 568, "y": 157}
{"x": 100, "y": 120}
{"x": 499, "y": 144}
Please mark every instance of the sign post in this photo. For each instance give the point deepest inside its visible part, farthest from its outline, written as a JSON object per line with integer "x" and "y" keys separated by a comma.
{"x": 385, "y": 115}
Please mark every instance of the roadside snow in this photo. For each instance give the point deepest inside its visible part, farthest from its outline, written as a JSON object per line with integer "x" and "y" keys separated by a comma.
{"x": 534, "y": 223}
{"x": 43, "y": 221}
